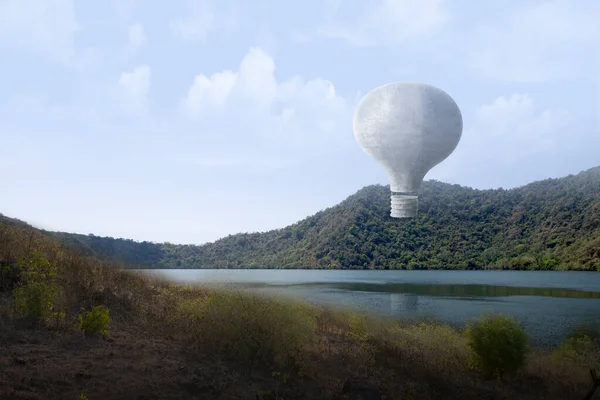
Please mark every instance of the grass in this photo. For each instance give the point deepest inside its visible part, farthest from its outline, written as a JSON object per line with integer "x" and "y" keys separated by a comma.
{"x": 284, "y": 341}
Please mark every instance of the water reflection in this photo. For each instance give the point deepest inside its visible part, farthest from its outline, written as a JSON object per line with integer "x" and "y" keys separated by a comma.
{"x": 411, "y": 302}
{"x": 403, "y": 302}
{"x": 395, "y": 302}
{"x": 463, "y": 291}
{"x": 411, "y": 291}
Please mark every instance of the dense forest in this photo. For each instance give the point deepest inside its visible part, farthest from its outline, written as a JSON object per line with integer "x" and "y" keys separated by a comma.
{"x": 548, "y": 225}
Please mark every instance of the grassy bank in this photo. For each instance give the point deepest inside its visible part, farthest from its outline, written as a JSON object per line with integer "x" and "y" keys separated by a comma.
{"x": 76, "y": 327}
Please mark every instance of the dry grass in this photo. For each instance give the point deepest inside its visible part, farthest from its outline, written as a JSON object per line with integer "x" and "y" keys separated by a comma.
{"x": 295, "y": 344}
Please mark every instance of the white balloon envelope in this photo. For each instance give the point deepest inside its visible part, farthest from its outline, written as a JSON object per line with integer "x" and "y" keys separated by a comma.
{"x": 408, "y": 128}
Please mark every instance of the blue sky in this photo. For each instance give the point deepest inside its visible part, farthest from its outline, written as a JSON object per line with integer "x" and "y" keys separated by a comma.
{"x": 185, "y": 121}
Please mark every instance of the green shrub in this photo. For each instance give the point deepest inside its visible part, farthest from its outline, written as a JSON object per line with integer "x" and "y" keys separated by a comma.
{"x": 36, "y": 299}
{"x": 498, "y": 344}
{"x": 252, "y": 328}
{"x": 579, "y": 350}
{"x": 95, "y": 321}
{"x": 36, "y": 268}
{"x": 37, "y": 292}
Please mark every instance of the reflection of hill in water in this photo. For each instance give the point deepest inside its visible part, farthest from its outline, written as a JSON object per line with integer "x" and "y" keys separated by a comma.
{"x": 458, "y": 290}
{"x": 403, "y": 302}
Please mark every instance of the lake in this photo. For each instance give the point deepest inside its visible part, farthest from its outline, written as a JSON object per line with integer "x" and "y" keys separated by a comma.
{"x": 548, "y": 304}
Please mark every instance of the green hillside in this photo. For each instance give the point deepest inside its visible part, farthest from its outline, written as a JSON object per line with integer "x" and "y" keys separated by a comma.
{"x": 550, "y": 224}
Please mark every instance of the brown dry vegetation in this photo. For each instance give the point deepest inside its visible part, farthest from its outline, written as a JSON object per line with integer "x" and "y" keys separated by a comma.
{"x": 180, "y": 342}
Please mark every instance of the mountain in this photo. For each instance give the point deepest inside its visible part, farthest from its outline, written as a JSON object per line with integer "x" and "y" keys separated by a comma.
{"x": 550, "y": 224}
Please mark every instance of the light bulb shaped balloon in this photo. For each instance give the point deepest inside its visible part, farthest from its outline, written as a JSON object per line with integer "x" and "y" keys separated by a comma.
{"x": 408, "y": 128}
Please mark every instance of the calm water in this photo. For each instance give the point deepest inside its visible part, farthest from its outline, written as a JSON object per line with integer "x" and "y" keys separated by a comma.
{"x": 548, "y": 304}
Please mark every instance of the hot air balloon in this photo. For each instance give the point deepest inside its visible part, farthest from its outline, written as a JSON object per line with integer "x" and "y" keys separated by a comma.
{"x": 408, "y": 128}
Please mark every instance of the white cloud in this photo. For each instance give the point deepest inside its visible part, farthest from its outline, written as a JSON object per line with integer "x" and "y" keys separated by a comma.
{"x": 515, "y": 128}
{"x": 198, "y": 22}
{"x": 43, "y": 25}
{"x": 257, "y": 78}
{"x": 291, "y": 113}
{"x": 550, "y": 40}
{"x": 136, "y": 35}
{"x": 208, "y": 92}
{"x": 97, "y": 103}
{"x": 388, "y": 22}
{"x": 135, "y": 87}
{"x": 505, "y": 133}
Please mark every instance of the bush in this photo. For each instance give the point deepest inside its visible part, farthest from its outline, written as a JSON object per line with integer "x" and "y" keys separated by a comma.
{"x": 251, "y": 328}
{"x": 436, "y": 348}
{"x": 580, "y": 350}
{"x": 36, "y": 299}
{"x": 36, "y": 268}
{"x": 36, "y": 293}
{"x": 581, "y": 347}
{"x": 498, "y": 344}
{"x": 95, "y": 321}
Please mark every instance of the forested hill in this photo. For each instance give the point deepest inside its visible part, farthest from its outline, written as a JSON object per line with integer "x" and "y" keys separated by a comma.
{"x": 550, "y": 224}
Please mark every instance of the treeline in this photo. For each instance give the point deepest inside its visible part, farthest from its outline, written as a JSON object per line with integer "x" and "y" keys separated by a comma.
{"x": 547, "y": 225}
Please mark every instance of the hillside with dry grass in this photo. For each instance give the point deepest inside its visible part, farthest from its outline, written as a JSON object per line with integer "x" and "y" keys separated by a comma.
{"x": 75, "y": 327}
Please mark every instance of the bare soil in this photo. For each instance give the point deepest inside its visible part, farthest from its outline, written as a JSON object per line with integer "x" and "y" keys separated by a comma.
{"x": 38, "y": 364}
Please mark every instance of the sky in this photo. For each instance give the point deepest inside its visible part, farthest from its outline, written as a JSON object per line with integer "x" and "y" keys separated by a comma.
{"x": 189, "y": 120}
